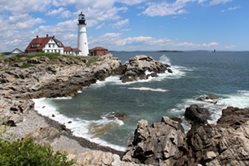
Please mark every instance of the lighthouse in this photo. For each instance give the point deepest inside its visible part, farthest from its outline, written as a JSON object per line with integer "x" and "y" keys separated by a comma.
{"x": 82, "y": 36}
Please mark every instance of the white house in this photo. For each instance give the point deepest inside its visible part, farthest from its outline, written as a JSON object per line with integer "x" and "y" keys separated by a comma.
{"x": 50, "y": 44}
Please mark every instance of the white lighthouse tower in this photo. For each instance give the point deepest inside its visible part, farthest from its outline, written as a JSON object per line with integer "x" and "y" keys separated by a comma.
{"x": 82, "y": 36}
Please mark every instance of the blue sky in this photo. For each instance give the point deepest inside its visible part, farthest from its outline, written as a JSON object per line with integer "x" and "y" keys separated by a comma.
{"x": 129, "y": 24}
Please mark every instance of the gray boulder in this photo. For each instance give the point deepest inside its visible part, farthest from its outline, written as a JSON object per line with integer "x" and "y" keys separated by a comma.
{"x": 157, "y": 144}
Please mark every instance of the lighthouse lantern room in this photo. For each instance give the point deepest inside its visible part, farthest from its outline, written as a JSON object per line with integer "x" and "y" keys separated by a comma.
{"x": 82, "y": 36}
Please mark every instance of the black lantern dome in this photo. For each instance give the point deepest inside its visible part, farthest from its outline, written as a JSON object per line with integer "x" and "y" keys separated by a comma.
{"x": 82, "y": 20}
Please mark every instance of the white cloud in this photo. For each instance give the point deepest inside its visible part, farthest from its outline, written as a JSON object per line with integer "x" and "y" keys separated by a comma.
{"x": 218, "y": 2}
{"x": 166, "y": 8}
{"x": 191, "y": 45}
{"x": 233, "y": 8}
{"x": 116, "y": 40}
{"x": 132, "y": 2}
{"x": 23, "y": 6}
{"x": 121, "y": 23}
{"x": 60, "y": 12}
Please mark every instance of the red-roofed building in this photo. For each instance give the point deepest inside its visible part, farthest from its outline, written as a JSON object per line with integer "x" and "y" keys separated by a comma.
{"x": 98, "y": 51}
{"x": 50, "y": 44}
{"x": 70, "y": 51}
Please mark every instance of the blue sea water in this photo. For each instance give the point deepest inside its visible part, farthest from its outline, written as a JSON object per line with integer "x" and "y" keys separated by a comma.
{"x": 195, "y": 73}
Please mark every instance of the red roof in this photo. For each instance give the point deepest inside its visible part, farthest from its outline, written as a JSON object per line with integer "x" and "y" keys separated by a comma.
{"x": 68, "y": 49}
{"x": 38, "y": 43}
{"x": 99, "y": 49}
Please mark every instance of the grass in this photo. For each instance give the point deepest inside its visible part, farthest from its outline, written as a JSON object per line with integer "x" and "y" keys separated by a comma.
{"x": 22, "y": 60}
{"x": 1, "y": 56}
{"x": 26, "y": 65}
{"x": 91, "y": 60}
{"x": 51, "y": 56}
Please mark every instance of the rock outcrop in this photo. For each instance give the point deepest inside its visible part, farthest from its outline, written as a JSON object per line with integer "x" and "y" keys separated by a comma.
{"x": 196, "y": 114}
{"x": 223, "y": 144}
{"x": 63, "y": 76}
{"x": 158, "y": 144}
{"x": 142, "y": 67}
{"x": 164, "y": 143}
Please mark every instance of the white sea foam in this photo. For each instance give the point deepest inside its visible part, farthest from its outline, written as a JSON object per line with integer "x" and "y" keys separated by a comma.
{"x": 239, "y": 99}
{"x": 79, "y": 127}
{"x": 178, "y": 72}
{"x": 148, "y": 89}
{"x": 62, "y": 98}
{"x": 164, "y": 59}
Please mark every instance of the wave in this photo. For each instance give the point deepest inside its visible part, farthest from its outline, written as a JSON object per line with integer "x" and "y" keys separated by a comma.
{"x": 62, "y": 98}
{"x": 87, "y": 129}
{"x": 239, "y": 99}
{"x": 164, "y": 59}
{"x": 178, "y": 72}
{"x": 148, "y": 89}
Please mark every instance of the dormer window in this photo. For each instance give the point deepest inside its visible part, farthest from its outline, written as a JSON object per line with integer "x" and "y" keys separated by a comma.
{"x": 35, "y": 45}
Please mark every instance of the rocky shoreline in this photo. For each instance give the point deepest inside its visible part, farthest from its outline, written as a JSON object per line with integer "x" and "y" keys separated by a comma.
{"x": 25, "y": 78}
{"x": 162, "y": 143}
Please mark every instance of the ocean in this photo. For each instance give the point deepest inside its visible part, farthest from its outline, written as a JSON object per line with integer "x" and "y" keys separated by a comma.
{"x": 195, "y": 73}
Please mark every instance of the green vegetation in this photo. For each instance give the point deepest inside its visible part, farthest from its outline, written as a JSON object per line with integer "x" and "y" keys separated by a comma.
{"x": 91, "y": 60}
{"x": 25, "y": 61}
{"x": 1, "y": 56}
{"x": 26, "y": 65}
{"x": 26, "y": 153}
{"x": 41, "y": 54}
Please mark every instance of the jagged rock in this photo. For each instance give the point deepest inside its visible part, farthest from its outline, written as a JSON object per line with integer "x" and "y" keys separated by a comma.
{"x": 197, "y": 114}
{"x": 99, "y": 158}
{"x": 157, "y": 144}
{"x": 101, "y": 75}
{"x": 221, "y": 144}
{"x": 136, "y": 68}
{"x": 118, "y": 115}
{"x": 38, "y": 60}
{"x": 44, "y": 135}
{"x": 234, "y": 117}
{"x": 210, "y": 99}
{"x": 22, "y": 106}
{"x": 10, "y": 123}
{"x": 169, "y": 71}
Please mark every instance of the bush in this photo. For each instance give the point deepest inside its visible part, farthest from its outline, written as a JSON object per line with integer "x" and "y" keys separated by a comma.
{"x": 27, "y": 153}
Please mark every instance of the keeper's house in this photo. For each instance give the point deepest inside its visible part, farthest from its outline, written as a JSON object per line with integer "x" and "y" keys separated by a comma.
{"x": 50, "y": 44}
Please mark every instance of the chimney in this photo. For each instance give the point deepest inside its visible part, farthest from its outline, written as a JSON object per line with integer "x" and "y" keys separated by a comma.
{"x": 37, "y": 36}
{"x": 47, "y": 35}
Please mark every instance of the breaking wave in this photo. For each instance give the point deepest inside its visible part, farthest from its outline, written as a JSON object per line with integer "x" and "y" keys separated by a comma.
{"x": 148, "y": 89}
{"x": 87, "y": 129}
{"x": 239, "y": 99}
{"x": 178, "y": 72}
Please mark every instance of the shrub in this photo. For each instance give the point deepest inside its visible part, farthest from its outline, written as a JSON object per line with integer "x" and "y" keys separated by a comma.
{"x": 27, "y": 153}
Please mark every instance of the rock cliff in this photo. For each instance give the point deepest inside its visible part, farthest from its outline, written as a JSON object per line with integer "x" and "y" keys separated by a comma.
{"x": 164, "y": 143}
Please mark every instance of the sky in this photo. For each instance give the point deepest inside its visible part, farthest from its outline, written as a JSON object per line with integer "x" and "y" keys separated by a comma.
{"x": 129, "y": 25}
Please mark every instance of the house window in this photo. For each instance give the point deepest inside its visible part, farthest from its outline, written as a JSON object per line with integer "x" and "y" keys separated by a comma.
{"x": 35, "y": 45}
